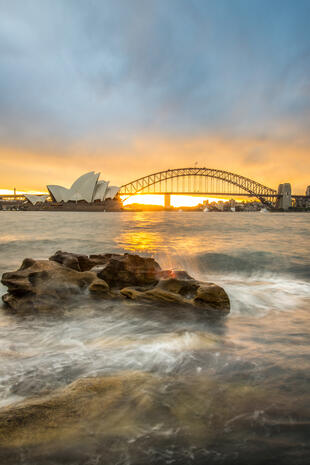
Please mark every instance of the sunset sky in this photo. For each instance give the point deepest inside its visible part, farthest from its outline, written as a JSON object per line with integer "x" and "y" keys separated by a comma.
{"x": 131, "y": 87}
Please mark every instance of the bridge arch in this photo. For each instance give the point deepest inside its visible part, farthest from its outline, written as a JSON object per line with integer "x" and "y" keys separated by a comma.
{"x": 244, "y": 186}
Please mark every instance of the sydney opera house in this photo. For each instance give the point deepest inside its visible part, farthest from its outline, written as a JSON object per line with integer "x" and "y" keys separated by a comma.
{"x": 86, "y": 188}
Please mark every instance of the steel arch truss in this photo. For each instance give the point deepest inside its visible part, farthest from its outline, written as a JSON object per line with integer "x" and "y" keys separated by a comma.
{"x": 247, "y": 186}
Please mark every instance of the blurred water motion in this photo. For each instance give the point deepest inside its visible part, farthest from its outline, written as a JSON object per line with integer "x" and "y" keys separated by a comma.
{"x": 235, "y": 391}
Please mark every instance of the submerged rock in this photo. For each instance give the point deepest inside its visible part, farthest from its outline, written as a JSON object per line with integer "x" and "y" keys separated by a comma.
{"x": 43, "y": 285}
{"x": 126, "y": 407}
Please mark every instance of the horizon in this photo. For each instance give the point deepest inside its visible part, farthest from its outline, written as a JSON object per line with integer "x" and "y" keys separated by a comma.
{"x": 153, "y": 85}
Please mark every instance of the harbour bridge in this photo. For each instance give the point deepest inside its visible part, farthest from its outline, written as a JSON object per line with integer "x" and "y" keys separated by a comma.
{"x": 202, "y": 182}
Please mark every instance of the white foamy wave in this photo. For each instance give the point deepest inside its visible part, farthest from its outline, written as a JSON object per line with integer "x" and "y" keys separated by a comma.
{"x": 262, "y": 293}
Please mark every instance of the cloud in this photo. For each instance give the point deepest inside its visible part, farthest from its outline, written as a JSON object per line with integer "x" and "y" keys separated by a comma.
{"x": 104, "y": 74}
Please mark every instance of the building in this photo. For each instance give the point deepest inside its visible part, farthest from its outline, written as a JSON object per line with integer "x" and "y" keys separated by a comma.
{"x": 86, "y": 188}
{"x": 35, "y": 199}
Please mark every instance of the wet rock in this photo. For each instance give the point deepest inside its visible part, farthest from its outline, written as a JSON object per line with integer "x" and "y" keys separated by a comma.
{"x": 71, "y": 260}
{"x": 73, "y": 411}
{"x": 41, "y": 285}
{"x": 178, "y": 274}
{"x": 102, "y": 259}
{"x": 213, "y": 296}
{"x": 129, "y": 270}
{"x": 99, "y": 287}
{"x": 207, "y": 296}
{"x": 129, "y": 406}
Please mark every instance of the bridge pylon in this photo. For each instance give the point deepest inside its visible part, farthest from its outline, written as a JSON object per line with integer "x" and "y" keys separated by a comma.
{"x": 167, "y": 200}
{"x": 284, "y": 201}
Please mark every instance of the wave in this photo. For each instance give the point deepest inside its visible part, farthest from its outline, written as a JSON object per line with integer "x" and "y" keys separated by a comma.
{"x": 242, "y": 262}
{"x": 255, "y": 281}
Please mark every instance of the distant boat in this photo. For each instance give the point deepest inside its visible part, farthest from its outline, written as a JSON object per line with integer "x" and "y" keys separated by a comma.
{"x": 206, "y": 209}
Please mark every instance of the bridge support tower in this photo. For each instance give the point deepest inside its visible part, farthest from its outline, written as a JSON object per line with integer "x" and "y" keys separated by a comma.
{"x": 167, "y": 200}
{"x": 284, "y": 201}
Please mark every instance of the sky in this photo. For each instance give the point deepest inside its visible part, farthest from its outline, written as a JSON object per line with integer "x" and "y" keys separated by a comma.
{"x": 131, "y": 87}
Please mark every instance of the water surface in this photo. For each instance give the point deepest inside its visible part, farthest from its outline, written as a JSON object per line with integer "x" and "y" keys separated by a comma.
{"x": 241, "y": 384}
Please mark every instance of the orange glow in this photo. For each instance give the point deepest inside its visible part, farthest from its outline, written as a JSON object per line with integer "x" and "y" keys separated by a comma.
{"x": 11, "y": 192}
{"x": 264, "y": 160}
{"x": 176, "y": 200}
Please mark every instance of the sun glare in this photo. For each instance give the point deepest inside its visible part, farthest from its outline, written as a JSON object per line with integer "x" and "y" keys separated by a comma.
{"x": 11, "y": 192}
{"x": 176, "y": 200}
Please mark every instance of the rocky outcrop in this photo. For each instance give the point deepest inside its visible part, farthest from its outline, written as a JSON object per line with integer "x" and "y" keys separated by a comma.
{"x": 44, "y": 285}
{"x": 71, "y": 260}
{"x": 41, "y": 285}
{"x": 129, "y": 269}
{"x": 209, "y": 297}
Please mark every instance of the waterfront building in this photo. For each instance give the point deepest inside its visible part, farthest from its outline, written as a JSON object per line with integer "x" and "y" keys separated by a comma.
{"x": 87, "y": 188}
{"x": 35, "y": 199}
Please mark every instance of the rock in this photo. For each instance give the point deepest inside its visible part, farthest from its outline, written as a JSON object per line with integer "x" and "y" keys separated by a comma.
{"x": 129, "y": 270}
{"x": 166, "y": 274}
{"x": 99, "y": 286}
{"x": 102, "y": 259}
{"x": 43, "y": 284}
{"x": 122, "y": 408}
{"x": 154, "y": 295}
{"x": 64, "y": 414}
{"x": 184, "y": 287}
{"x": 81, "y": 262}
{"x": 71, "y": 260}
{"x": 214, "y": 297}
{"x": 209, "y": 297}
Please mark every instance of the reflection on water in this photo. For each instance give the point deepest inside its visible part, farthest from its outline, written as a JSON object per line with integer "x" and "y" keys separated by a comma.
{"x": 236, "y": 391}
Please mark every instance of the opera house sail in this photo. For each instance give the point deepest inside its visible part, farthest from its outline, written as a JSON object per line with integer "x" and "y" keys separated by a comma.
{"x": 35, "y": 199}
{"x": 87, "y": 188}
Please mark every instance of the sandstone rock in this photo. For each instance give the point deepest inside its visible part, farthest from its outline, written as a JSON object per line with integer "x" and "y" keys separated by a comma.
{"x": 125, "y": 405}
{"x": 99, "y": 287}
{"x": 71, "y": 260}
{"x": 130, "y": 270}
{"x": 102, "y": 259}
{"x": 64, "y": 414}
{"x": 213, "y": 296}
{"x": 43, "y": 284}
{"x": 208, "y": 297}
{"x": 178, "y": 274}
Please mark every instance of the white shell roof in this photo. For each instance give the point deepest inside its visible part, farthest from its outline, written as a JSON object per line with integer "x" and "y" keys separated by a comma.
{"x": 36, "y": 198}
{"x": 111, "y": 192}
{"x": 86, "y": 187}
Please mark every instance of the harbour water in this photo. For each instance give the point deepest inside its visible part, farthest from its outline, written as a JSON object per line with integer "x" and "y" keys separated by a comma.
{"x": 234, "y": 391}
